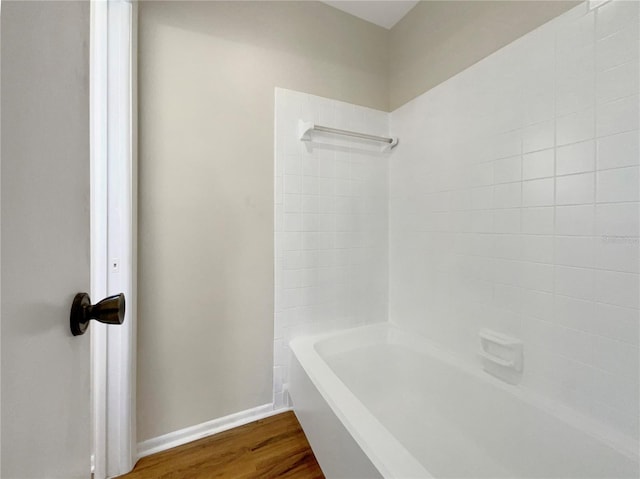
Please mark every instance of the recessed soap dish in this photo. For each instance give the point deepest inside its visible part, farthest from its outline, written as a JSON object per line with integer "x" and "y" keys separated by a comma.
{"x": 502, "y": 355}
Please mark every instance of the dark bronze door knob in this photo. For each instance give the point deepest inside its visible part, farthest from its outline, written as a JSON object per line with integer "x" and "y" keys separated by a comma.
{"x": 108, "y": 311}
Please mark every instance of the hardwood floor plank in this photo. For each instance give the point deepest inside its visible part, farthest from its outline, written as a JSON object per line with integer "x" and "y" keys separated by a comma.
{"x": 275, "y": 447}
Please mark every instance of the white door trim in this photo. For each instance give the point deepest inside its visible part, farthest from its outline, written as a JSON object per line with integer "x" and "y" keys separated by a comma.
{"x": 98, "y": 206}
{"x": 113, "y": 226}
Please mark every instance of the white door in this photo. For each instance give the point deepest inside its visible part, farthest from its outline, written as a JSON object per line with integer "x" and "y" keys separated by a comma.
{"x": 45, "y": 229}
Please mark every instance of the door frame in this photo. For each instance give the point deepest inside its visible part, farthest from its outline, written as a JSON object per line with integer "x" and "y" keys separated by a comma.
{"x": 113, "y": 188}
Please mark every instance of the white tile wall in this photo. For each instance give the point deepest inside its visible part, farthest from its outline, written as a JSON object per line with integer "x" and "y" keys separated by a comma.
{"x": 331, "y": 209}
{"x": 538, "y": 165}
{"x": 513, "y": 205}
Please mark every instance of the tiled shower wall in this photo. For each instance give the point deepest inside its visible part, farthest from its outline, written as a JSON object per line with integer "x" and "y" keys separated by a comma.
{"x": 514, "y": 206}
{"x": 331, "y": 208}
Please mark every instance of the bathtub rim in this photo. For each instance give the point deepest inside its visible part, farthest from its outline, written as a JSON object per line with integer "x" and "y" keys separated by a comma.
{"x": 368, "y": 432}
{"x": 353, "y": 414}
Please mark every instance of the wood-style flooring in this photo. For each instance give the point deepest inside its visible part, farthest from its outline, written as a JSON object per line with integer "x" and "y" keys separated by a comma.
{"x": 269, "y": 448}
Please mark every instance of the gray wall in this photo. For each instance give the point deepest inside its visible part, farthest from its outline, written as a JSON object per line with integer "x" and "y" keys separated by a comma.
{"x": 207, "y": 72}
{"x": 438, "y": 39}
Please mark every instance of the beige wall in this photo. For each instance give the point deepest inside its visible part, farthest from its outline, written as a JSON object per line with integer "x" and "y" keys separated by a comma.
{"x": 438, "y": 39}
{"x": 207, "y": 72}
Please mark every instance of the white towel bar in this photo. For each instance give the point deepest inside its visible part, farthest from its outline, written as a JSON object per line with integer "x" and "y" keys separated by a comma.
{"x": 305, "y": 128}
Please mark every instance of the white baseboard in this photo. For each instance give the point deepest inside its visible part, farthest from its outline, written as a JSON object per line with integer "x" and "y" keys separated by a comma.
{"x": 192, "y": 433}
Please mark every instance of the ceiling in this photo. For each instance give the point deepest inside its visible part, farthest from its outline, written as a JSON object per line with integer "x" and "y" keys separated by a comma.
{"x": 385, "y": 13}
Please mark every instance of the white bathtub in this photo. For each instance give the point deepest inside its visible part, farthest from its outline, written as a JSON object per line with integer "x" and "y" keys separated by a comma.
{"x": 378, "y": 402}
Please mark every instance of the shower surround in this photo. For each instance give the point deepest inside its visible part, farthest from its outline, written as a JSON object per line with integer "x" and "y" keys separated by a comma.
{"x": 513, "y": 206}
{"x": 331, "y": 223}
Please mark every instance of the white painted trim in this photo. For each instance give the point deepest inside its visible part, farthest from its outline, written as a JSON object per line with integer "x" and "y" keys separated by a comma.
{"x": 192, "y": 433}
{"x": 113, "y": 227}
{"x": 121, "y": 347}
{"x": 98, "y": 235}
{"x": 0, "y": 281}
